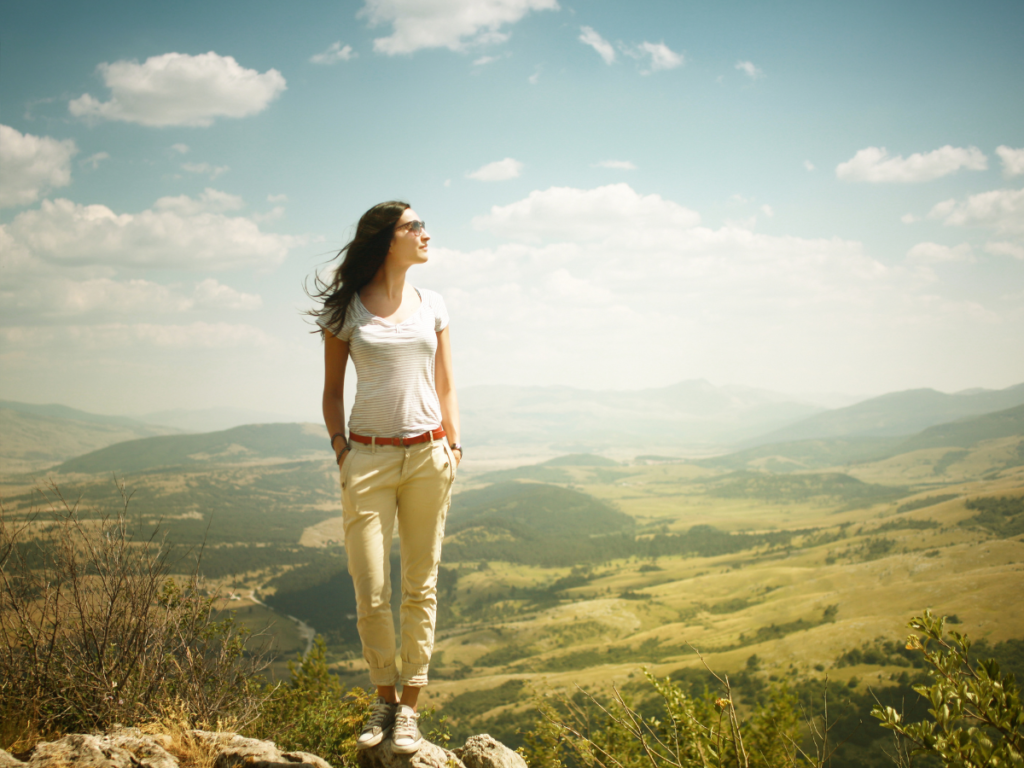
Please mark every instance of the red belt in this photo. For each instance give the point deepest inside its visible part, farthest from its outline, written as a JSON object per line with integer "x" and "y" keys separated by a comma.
{"x": 437, "y": 434}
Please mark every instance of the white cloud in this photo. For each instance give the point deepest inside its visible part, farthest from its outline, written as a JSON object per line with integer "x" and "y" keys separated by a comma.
{"x": 909, "y": 218}
{"x": 210, "y": 201}
{"x": 179, "y": 89}
{"x": 205, "y": 168}
{"x": 117, "y": 336}
{"x": 535, "y": 77}
{"x": 873, "y": 164}
{"x": 30, "y": 165}
{"x": 93, "y": 161}
{"x": 452, "y": 24}
{"x": 617, "y": 165}
{"x": 589, "y": 36}
{"x": 213, "y": 295}
{"x": 1005, "y": 249}
{"x": 1001, "y": 210}
{"x": 484, "y": 60}
{"x": 277, "y": 198}
{"x": 499, "y": 170}
{"x": 583, "y": 271}
{"x": 808, "y": 165}
{"x": 565, "y": 214}
{"x": 660, "y": 56}
{"x": 748, "y": 68}
{"x": 177, "y": 233}
{"x": 335, "y": 53}
{"x": 934, "y": 253}
{"x": 52, "y": 294}
{"x": 1013, "y": 160}
{"x": 181, "y": 149}
{"x": 767, "y": 210}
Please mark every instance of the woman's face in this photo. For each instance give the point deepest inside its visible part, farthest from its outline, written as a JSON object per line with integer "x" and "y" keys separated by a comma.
{"x": 409, "y": 245}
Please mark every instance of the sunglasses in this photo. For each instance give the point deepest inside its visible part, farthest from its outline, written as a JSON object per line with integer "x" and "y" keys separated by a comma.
{"x": 416, "y": 227}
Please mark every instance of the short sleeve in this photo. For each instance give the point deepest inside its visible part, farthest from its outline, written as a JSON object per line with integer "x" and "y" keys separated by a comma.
{"x": 440, "y": 311}
{"x": 345, "y": 332}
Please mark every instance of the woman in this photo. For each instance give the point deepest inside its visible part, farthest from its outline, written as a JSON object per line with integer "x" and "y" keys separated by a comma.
{"x": 398, "y": 463}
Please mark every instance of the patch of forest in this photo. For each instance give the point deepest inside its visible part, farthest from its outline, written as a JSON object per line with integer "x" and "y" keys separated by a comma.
{"x": 772, "y": 488}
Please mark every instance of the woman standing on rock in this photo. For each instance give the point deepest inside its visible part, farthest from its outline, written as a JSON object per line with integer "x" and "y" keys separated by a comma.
{"x": 398, "y": 462}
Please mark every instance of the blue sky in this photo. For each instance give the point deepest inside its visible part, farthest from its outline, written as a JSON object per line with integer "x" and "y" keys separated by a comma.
{"x": 806, "y": 197}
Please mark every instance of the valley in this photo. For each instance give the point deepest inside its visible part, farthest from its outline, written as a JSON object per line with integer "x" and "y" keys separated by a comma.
{"x": 783, "y": 563}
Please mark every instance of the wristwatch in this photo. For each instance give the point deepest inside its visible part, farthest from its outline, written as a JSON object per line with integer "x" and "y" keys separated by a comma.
{"x": 457, "y": 447}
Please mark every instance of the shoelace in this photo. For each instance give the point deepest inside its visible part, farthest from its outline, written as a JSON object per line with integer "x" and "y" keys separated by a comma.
{"x": 405, "y": 726}
{"x": 379, "y": 716}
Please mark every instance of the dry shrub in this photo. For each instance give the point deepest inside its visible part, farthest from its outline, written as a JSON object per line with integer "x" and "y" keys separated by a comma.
{"x": 93, "y": 630}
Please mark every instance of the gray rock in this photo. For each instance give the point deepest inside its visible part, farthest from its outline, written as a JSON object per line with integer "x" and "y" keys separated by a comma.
{"x": 428, "y": 756}
{"x": 149, "y": 749}
{"x": 7, "y": 760}
{"x": 485, "y": 752}
{"x": 232, "y": 750}
{"x": 81, "y": 751}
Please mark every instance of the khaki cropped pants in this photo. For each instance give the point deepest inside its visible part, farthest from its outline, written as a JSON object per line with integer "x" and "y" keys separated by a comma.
{"x": 381, "y": 485}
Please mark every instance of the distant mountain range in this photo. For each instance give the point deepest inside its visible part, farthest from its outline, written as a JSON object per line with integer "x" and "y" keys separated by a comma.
{"x": 819, "y": 453}
{"x": 688, "y": 418}
{"x": 213, "y": 419}
{"x": 34, "y": 437}
{"x": 249, "y": 443}
{"x": 689, "y": 414}
{"x": 895, "y": 414}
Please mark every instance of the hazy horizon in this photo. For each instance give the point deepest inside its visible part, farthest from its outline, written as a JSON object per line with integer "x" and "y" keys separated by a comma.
{"x": 797, "y": 198}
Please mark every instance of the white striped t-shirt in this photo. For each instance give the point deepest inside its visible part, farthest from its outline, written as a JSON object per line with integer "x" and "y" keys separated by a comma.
{"x": 395, "y": 395}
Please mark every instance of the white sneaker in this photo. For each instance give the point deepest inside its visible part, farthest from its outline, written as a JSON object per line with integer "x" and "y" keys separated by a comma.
{"x": 382, "y": 718}
{"x": 405, "y": 737}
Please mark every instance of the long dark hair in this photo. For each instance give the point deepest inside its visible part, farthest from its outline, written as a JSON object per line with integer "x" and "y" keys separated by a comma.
{"x": 361, "y": 259}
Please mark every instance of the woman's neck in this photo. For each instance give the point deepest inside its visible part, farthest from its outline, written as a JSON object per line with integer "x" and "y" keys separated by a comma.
{"x": 389, "y": 282}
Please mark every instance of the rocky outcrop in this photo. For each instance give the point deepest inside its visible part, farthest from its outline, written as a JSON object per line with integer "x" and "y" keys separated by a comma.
{"x": 131, "y": 748}
{"x": 484, "y": 752}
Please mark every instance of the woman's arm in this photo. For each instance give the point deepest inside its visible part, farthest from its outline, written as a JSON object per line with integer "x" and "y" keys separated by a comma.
{"x": 335, "y": 362}
{"x": 444, "y": 383}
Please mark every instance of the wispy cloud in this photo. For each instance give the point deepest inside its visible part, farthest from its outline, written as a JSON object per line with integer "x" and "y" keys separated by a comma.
{"x": 335, "y": 53}
{"x": 205, "y": 168}
{"x": 1001, "y": 210}
{"x": 93, "y": 161}
{"x": 589, "y": 36}
{"x": 873, "y": 164}
{"x": 483, "y": 60}
{"x": 179, "y": 89}
{"x": 618, "y": 165}
{"x": 808, "y": 165}
{"x": 748, "y": 68}
{"x": 934, "y": 253}
{"x": 452, "y": 24}
{"x": 500, "y": 170}
{"x": 659, "y": 56}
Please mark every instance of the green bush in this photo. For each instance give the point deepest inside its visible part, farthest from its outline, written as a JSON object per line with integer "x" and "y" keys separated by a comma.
{"x": 314, "y": 712}
{"x": 977, "y": 718}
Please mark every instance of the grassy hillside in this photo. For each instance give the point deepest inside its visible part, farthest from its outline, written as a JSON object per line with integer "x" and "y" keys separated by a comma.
{"x": 38, "y": 437}
{"x": 248, "y": 443}
{"x": 896, "y": 414}
{"x": 965, "y": 433}
{"x": 581, "y": 579}
{"x": 805, "y": 455}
